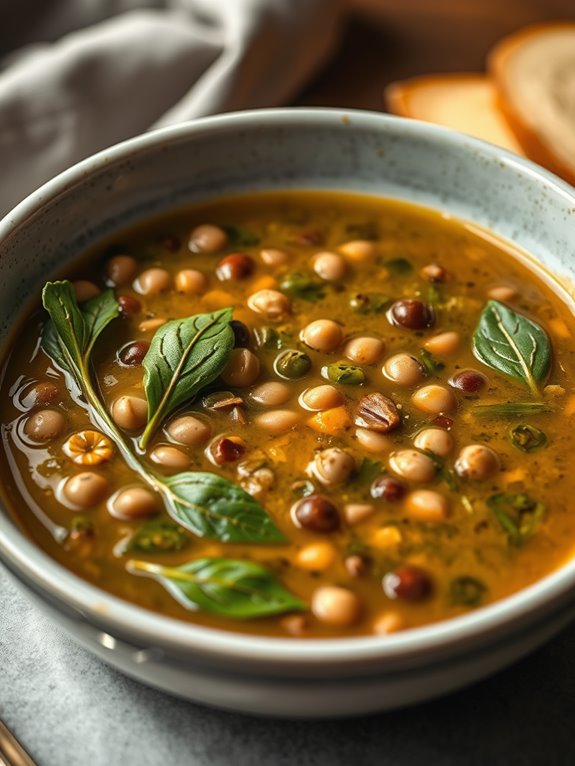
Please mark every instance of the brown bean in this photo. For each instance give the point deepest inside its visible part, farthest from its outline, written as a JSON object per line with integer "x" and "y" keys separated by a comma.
{"x": 403, "y": 369}
{"x": 129, "y": 306}
{"x": 316, "y": 514}
{"x": 44, "y": 425}
{"x": 133, "y": 353}
{"x": 121, "y": 269}
{"x": 171, "y": 457}
{"x": 234, "y": 267}
{"x": 377, "y": 412}
{"x": 241, "y": 334}
{"x": 469, "y": 381}
{"x": 207, "y": 239}
{"x": 387, "y": 488}
{"x": 133, "y": 503}
{"x": 86, "y": 489}
{"x": 190, "y": 281}
{"x": 243, "y": 368}
{"x": 130, "y": 412}
{"x": 189, "y": 430}
{"x": 407, "y": 582}
{"x": 414, "y": 315}
{"x": 364, "y": 350}
{"x": 153, "y": 282}
{"x": 226, "y": 449}
{"x": 476, "y": 462}
{"x": 40, "y": 394}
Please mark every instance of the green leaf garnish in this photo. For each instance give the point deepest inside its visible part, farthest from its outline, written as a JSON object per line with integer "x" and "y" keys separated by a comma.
{"x": 431, "y": 364}
{"x": 527, "y": 438}
{"x": 157, "y": 537}
{"x": 303, "y": 285}
{"x": 368, "y": 471}
{"x": 227, "y": 587}
{"x": 344, "y": 373}
{"x": 511, "y": 409}
{"x": 211, "y": 506}
{"x": 240, "y": 237}
{"x": 185, "y": 356}
{"x": 518, "y": 514}
{"x": 466, "y": 591}
{"x": 369, "y": 303}
{"x": 513, "y": 344}
{"x": 435, "y": 295}
{"x": 398, "y": 266}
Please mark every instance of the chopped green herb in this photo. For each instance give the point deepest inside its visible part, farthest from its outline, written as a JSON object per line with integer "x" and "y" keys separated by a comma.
{"x": 466, "y": 591}
{"x": 432, "y": 366}
{"x": 368, "y": 471}
{"x": 398, "y": 266}
{"x": 518, "y": 514}
{"x": 157, "y": 537}
{"x": 303, "y": 285}
{"x": 240, "y": 237}
{"x": 527, "y": 438}
{"x": 369, "y": 303}
{"x": 511, "y": 409}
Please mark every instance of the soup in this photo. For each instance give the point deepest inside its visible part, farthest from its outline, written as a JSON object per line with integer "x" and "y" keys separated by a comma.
{"x": 296, "y": 414}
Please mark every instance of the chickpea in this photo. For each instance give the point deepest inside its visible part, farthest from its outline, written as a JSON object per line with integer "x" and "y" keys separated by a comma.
{"x": 153, "y": 282}
{"x": 364, "y": 350}
{"x": 386, "y": 537}
{"x": 270, "y": 303}
{"x": 85, "y": 290}
{"x": 243, "y": 369}
{"x": 133, "y": 503}
{"x": 86, "y": 489}
{"x": 435, "y": 440}
{"x": 322, "y": 335}
{"x": 191, "y": 282}
{"x": 355, "y": 513}
{"x": 503, "y": 293}
{"x": 278, "y": 421}
{"x": 329, "y": 266}
{"x": 321, "y": 398}
{"x": 171, "y": 457}
{"x": 388, "y": 622}
{"x": 272, "y": 257}
{"x": 316, "y": 557}
{"x": 434, "y": 399}
{"x": 189, "y": 430}
{"x": 271, "y": 394}
{"x": 121, "y": 269}
{"x": 412, "y": 465}
{"x": 444, "y": 344}
{"x": 336, "y": 606}
{"x": 316, "y": 514}
{"x": 403, "y": 369}
{"x": 207, "y": 239}
{"x": 130, "y": 412}
{"x": 333, "y": 466}
{"x": 358, "y": 250}
{"x": 427, "y": 505}
{"x": 476, "y": 462}
{"x": 373, "y": 441}
{"x": 44, "y": 425}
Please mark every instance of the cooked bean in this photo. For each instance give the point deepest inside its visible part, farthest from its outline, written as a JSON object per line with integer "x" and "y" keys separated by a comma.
{"x": 427, "y": 505}
{"x": 329, "y": 266}
{"x": 271, "y": 394}
{"x": 153, "y": 282}
{"x": 171, "y": 457}
{"x": 40, "y": 394}
{"x": 364, "y": 350}
{"x": 316, "y": 514}
{"x": 295, "y": 624}
{"x": 133, "y": 353}
{"x": 373, "y": 441}
{"x": 469, "y": 381}
{"x": 355, "y": 565}
{"x": 333, "y": 466}
{"x": 502, "y": 293}
{"x": 358, "y": 250}
{"x": 151, "y": 325}
{"x": 243, "y": 369}
{"x": 355, "y": 513}
{"x": 404, "y": 369}
{"x": 335, "y": 606}
{"x": 234, "y": 267}
{"x": 322, "y": 335}
{"x": 129, "y": 306}
{"x": 189, "y": 430}
{"x": 316, "y": 557}
{"x": 409, "y": 583}
{"x": 435, "y": 440}
{"x": 85, "y": 290}
{"x": 272, "y": 257}
{"x": 433, "y": 272}
{"x": 133, "y": 503}
{"x": 476, "y": 462}
{"x": 44, "y": 425}
{"x": 320, "y": 398}
{"x": 278, "y": 421}
{"x": 207, "y": 239}
{"x": 241, "y": 334}
{"x": 86, "y": 489}
{"x": 377, "y": 412}
{"x": 270, "y": 303}
{"x": 414, "y": 315}
{"x": 121, "y": 269}
{"x": 227, "y": 449}
{"x": 434, "y": 399}
{"x": 444, "y": 344}
{"x": 191, "y": 282}
{"x": 388, "y": 622}
{"x": 292, "y": 364}
{"x": 412, "y": 465}
{"x": 387, "y": 488}
{"x": 130, "y": 412}
{"x": 388, "y": 536}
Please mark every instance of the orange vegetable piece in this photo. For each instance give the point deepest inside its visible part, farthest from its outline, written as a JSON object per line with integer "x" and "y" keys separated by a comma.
{"x": 332, "y": 421}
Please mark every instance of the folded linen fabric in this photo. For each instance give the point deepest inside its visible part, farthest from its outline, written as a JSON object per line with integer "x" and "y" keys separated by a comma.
{"x": 80, "y": 75}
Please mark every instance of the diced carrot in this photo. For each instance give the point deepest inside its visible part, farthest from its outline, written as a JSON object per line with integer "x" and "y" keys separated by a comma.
{"x": 514, "y": 476}
{"x": 331, "y": 422}
{"x": 387, "y": 537}
{"x": 569, "y": 408}
{"x": 559, "y": 328}
{"x": 264, "y": 283}
{"x": 218, "y": 299}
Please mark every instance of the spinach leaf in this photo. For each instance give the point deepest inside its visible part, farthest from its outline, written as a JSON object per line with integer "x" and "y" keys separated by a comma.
{"x": 527, "y": 438}
{"x": 510, "y": 409}
{"x": 212, "y": 507}
{"x": 185, "y": 356}
{"x": 227, "y": 587}
{"x": 518, "y": 515}
{"x": 513, "y": 344}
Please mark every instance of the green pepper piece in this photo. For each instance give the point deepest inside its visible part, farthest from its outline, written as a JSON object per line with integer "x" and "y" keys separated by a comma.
{"x": 303, "y": 285}
{"x": 466, "y": 591}
{"x": 157, "y": 537}
{"x": 292, "y": 364}
{"x": 344, "y": 373}
{"x": 527, "y": 438}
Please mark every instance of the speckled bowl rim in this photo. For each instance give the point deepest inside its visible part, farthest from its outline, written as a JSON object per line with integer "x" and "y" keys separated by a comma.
{"x": 147, "y": 628}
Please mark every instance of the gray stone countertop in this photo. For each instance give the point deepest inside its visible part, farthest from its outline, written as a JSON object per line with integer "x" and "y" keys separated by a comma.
{"x": 70, "y": 709}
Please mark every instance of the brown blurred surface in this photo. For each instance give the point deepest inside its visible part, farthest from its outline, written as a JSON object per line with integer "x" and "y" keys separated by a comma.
{"x": 387, "y": 40}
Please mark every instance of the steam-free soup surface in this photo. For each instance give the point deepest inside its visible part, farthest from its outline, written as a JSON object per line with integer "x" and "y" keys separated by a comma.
{"x": 306, "y": 414}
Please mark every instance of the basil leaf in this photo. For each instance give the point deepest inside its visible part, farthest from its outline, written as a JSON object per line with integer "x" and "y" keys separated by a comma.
{"x": 185, "y": 356}
{"x": 212, "y": 507}
{"x": 98, "y": 313}
{"x": 527, "y": 438}
{"x": 512, "y": 344}
{"x": 518, "y": 515}
{"x": 510, "y": 409}
{"x": 226, "y": 587}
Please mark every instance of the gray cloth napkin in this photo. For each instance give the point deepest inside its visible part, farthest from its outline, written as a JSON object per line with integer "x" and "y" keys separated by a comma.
{"x": 80, "y": 75}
